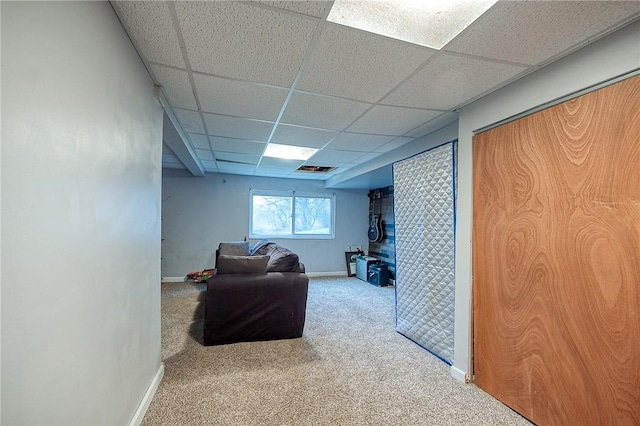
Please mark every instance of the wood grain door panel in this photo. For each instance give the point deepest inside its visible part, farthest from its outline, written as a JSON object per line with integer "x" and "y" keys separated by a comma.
{"x": 556, "y": 260}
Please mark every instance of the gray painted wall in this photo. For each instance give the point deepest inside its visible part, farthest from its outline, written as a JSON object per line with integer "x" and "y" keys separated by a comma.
{"x": 612, "y": 56}
{"x": 199, "y": 213}
{"x": 81, "y": 192}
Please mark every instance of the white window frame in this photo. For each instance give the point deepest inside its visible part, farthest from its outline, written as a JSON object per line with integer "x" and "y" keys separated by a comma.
{"x": 293, "y": 195}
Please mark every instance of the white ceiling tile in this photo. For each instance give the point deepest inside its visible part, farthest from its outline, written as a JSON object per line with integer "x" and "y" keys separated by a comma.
{"x": 312, "y": 8}
{"x": 239, "y": 146}
{"x": 530, "y": 32}
{"x": 244, "y": 42}
{"x": 230, "y": 97}
{"x": 289, "y": 165}
{"x": 437, "y": 123}
{"x": 309, "y": 175}
{"x": 150, "y": 24}
{"x": 339, "y": 169}
{"x": 396, "y": 143}
{"x": 190, "y": 121}
{"x": 388, "y": 120}
{"x": 358, "y": 142}
{"x": 448, "y": 81}
{"x": 237, "y": 158}
{"x": 209, "y": 166}
{"x": 199, "y": 141}
{"x": 177, "y": 86}
{"x": 205, "y": 154}
{"x": 240, "y": 44}
{"x": 236, "y": 168}
{"x": 325, "y": 112}
{"x": 332, "y": 157}
{"x": 358, "y": 65}
{"x": 234, "y": 127}
{"x": 302, "y": 136}
{"x": 273, "y": 172}
{"x": 366, "y": 157}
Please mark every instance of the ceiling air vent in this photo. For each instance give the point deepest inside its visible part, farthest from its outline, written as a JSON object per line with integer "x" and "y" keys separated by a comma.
{"x": 315, "y": 169}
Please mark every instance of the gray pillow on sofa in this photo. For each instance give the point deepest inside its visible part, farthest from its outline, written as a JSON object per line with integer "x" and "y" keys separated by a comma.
{"x": 234, "y": 248}
{"x": 228, "y": 264}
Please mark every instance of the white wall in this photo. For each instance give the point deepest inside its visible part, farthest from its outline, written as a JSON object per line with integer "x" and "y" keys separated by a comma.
{"x": 81, "y": 195}
{"x": 199, "y": 213}
{"x": 0, "y": 233}
{"x": 612, "y": 56}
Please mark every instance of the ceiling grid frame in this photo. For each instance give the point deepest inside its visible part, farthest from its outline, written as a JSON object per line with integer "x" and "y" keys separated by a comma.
{"x": 185, "y": 58}
{"x": 146, "y": 21}
{"x": 305, "y": 60}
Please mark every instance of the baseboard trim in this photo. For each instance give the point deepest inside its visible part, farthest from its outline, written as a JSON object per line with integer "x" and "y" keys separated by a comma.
{"x": 459, "y": 375}
{"x": 148, "y": 396}
{"x": 172, "y": 279}
{"x": 327, "y": 274}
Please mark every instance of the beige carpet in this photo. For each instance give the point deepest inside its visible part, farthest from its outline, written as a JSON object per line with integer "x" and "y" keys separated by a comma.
{"x": 349, "y": 368}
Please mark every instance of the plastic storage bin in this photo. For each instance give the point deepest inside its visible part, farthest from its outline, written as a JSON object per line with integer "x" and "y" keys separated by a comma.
{"x": 362, "y": 266}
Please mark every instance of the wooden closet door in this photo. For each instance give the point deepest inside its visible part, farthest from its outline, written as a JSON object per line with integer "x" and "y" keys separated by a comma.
{"x": 556, "y": 260}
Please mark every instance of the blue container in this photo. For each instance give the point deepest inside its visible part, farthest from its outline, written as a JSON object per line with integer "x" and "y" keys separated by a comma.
{"x": 378, "y": 275}
{"x": 363, "y": 263}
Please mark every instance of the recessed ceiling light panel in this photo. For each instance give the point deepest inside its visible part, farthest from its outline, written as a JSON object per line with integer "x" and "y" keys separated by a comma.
{"x": 289, "y": 152}
{"x": 430, "y": 23}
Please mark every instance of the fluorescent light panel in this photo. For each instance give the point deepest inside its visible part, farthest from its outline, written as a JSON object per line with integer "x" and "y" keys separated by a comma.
{"x": 289, "y": 152}
{"x": 429, "y": 23}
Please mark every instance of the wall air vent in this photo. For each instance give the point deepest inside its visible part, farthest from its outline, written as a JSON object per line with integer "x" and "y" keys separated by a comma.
{"x": 315, "y": 169}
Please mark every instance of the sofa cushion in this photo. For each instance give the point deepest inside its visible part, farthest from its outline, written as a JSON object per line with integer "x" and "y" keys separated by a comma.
{"x": 229, "y": 264}
{"x": 234, "y": 248}
{"x": 281, "y": 259}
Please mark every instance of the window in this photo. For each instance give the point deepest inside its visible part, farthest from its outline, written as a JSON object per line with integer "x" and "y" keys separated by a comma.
{"x": 289, "y": 214}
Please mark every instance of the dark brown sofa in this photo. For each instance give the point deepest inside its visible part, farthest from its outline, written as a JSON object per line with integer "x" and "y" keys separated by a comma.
{"x": 261, "y": 304}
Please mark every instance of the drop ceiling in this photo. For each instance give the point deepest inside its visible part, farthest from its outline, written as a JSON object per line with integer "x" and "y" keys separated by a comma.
{"x": 236, "y": 76}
